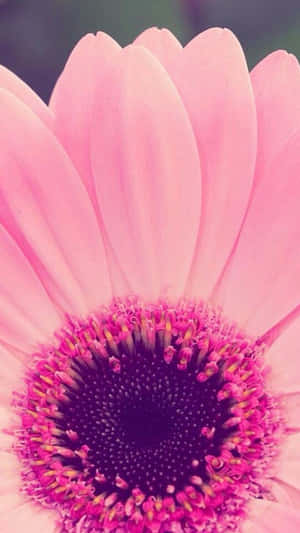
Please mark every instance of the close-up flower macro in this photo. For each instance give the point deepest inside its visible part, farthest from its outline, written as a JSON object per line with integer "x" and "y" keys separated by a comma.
{"x": 150, "y": 291}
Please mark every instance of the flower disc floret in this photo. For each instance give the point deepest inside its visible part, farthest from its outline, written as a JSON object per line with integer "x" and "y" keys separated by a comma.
{"x": 147, "y": 417}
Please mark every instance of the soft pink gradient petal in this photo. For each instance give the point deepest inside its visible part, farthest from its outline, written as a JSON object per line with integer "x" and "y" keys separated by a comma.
{"x": 286, "y": 494}
{"x": 271, "y": 517}
{"x": 291, "y": 404}
{"x": 11, "y": 373}
{"x": 162, "y": 44}
{"x": 214, "y": 83}
{"x": 262, "y": 282}
{"x": 16, "y": 514}
{"x": 283, "y": 358}
{"x": 44, "y": 205}
{"x": 11, "y": 377}
{"x": 73, "y": 96}
{"x": 147, "y": 174}
{"x": 10, "y": 496}
{"x": 16, "y": 86}
{"x": 276, "y": 85}
{"x": 288, "y": 468}
{"x": 72, "y": 103}
{"x": 23, "y": 324}
{"x": 27, "y": 515}
{"x": 7, "y": 420}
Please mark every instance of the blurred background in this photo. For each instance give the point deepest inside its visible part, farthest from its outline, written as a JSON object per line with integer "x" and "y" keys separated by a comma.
{"x": 36, "y": 36}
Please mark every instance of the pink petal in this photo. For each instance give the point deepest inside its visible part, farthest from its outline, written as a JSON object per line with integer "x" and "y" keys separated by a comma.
{"x": 162, "y": 44}
{"x": 283, "y": 359}
{"x": 7, "y": 418}
{"x": 16, "y": 86}
{"x": 214, "y": 83}
{"x": 276, "y": 85}
{"x": 44, "y": 205}
{"x": 37, "y": 520}
{"x": 288, "y": 468}
{"x": 262, "y": 284}
{"x": 23, "y": 324}
{"x": 72, "y": 104}
{"x": 10, "y": 496}
{"x": 11, "y": 374}
{"x": 291, "y": 404}
{"x": 16, "y": 514}
{"x": 286, "y": 494}
{"x": 147, "y": 174}
{"x": 73, "y": 96}
{"x": 11, "y": 377}
{"x": 271, "y": 517}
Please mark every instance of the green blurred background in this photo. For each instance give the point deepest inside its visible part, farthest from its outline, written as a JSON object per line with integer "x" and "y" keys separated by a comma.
{"x": 36, "y": 36}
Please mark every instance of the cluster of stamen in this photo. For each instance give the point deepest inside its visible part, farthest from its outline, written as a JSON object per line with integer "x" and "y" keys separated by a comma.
{"x": 147, "y": 418}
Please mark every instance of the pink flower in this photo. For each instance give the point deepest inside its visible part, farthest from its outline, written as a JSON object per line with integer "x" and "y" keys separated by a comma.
{"x": 150, "y": 291}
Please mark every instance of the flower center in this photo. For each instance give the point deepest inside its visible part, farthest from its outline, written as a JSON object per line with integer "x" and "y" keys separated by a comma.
{"x": 139, "y": 421}
{"x": 146, "y": 415}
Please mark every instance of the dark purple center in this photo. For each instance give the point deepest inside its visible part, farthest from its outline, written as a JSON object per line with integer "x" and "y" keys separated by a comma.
{"x": 143, "y": 424}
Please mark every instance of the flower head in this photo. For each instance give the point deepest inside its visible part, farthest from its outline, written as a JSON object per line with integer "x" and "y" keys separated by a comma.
{"x": 150, "y": 291}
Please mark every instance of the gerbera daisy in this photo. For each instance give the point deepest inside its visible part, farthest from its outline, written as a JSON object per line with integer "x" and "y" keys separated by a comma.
{"x": 150, "y": 265}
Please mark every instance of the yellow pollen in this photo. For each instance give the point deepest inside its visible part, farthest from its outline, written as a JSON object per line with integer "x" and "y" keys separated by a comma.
{"x": 59, "y": 490}
{"x": 46, "y": 379}
{"x": 242, "y": 404}
{"x": 208, "y": 490}
{"x": 232, "y": 367}
{"x": 70, "y": 344}
{"x": 246, "y": 375}
{"x": 71, "y": 473}
{"x": 111, "y": 514}
{"x": 188, "y": 334}
{"x": 47, "y": 447}
{"x": 98, "y": 499}
{"x": 223, "y": 349}
{"x": 49, "y": 473}
{"x": 32, "y": 413}
{"x": 187, "y": 506}
{"x": 40, "y": 393}
{"x": 52, "y": 485}
{"x": 158, "y": 505}
{"x": 249, "y": 391}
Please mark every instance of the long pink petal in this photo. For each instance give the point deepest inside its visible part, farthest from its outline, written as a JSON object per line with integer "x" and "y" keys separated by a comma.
{"x": 214, "y": 83}
{"x": 17, "y": 514}
{"x": 291, "y": 404}
{"x": 286, "y": 494}
{"x": 23, "y": 322}
{"x": 262, "y": 282}
{"x": 44, "y": 205}
{"x": 288, "y": 469}
{"x": 271, "y": 517}
{"x": 72, "y": 104}
{"x": 13, "y": 84}
{"x": 283, "y": 360}
{"x": 10, "y": 496}
{"x": 163, "y": 44}
{"x": 73, "y": 96}
{"x": 11, "y": 376}
{"x": 276, "y": 86}
{"x": 37, "y": 519}
{"x": 147, "y": 174}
